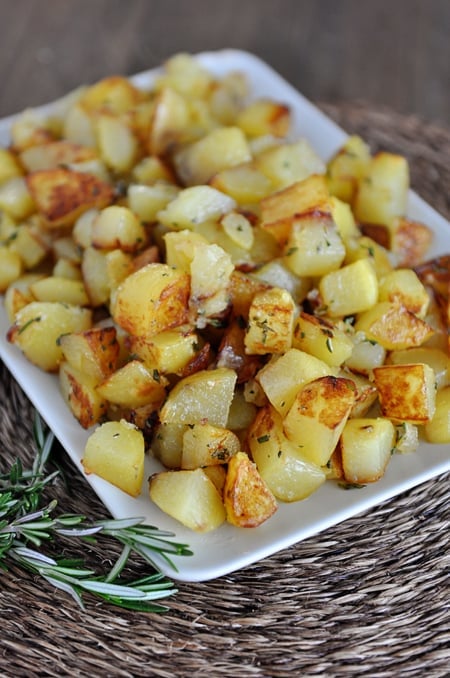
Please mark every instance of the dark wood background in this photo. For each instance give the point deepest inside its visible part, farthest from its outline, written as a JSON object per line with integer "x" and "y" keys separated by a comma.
{"x": 389, "y": 53}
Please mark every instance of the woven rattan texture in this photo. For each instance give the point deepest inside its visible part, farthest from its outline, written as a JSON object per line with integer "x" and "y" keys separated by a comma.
{"x": 369, "y": 597}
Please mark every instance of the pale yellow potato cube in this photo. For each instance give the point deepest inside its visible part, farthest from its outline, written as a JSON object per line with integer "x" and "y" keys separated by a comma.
{"x": 247, "y": 498}
{"x": 219, "y": 149}
{"x": 393, "y": 326}
{"x": 114, "y": 93}
{"x": 407, "y": 438}
{"x": 115, "y": 452}
{"x": 39, "y": 325}
{"x": 82, "y": 229}
{"x": 189, "y": 497}
{"x": 80, "y": 394}
{"x": 168, "y": 351}
{"x": 64, "y": 290}
{"x": 169, "y": 123}
{"x": 281, "y": 378}
{"x": 210, "y": 272}
{"x": 152, "y": 300}
{"x": 314, "y": 247}
{"x": 239, "y": 229}
{"x": 287, "y": 163}
{"x": 203, "y": 396}
{"x": 366, "y": 447}
{"x": 119, "y": 265}
{"x": 9, "y": 167}
{"x": 322, "y": 339}
{"x": 195, "y": 205}
{"x": 403, "y": 286}
{"x": 406, "y": 392}
{"x": 133, "y": 385}
{"x": 78, "y": 126}
{"x": 270, "y": 323}
{"x": 316, "y": 419}
{"x": 146, "y": 201}
{"x": 151, "y": 170}
{"x": 167, "y": 444}
{"x": 349, "y": 290}
{"x": 95, "y": 276}
{"x": 30, "y": 244}
{"x": 344, "y": 219}
{"x": 117, "y": 144}
{"x": 186, "y": 75}
{"x": 347, "y": 167}
{"x": 437, "y": 430}
{"x": 383, "y": 190}
{"x": 289, "y": 475}
{"x": 366, "y": 354}
{"x": 180, "y": 248}
{"x": 118, "y": 227}
{"x": 244, "y": 183}
{"x": 65, "y": 248}
{"x": 277, "y": 274}
{"x": 264, "y": 116}
{"x": 364, "y": 247}
{"x": 65, "y": 268}
{"x": 241, "y": 413}
{"x": 11, "y": 267}
{"x": 207, "y": 445}
{"x": 16, "y": 198}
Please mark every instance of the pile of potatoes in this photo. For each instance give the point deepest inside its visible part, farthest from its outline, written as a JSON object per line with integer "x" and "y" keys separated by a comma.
{"x": 216, "y": 295}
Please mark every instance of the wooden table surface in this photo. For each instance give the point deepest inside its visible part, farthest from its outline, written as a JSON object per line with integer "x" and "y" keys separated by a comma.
{"x": 390, "y": 53}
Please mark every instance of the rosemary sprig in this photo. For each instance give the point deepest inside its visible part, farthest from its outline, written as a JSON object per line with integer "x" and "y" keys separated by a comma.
{"x": 25, "y": 525}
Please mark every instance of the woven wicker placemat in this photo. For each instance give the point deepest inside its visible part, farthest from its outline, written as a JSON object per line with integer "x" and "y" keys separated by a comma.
{"x": 369, "y": 597}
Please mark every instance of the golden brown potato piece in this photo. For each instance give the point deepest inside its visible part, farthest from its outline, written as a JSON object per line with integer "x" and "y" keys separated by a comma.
{"x": 94, "y": 352}
{"x": 406, "y": 392}
{"x": 79, "y": 392}
{"x": 248, "y": 501}
{"x": 61, "y": 195}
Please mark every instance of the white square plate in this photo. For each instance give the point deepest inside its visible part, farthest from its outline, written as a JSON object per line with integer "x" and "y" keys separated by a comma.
{"x": 229, "y": 548}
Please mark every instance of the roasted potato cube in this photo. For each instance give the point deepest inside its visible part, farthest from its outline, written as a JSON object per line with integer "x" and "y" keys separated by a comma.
{"x": 406, "y": 392}
{"x": 409, "y": 241}
{"x": 9, "y": 166}
{"x": 169, "y": 123}
{"x": 94, "y": 352}
{"x": 94, "y": 270}
{"x": 403, "y": 286}
{"x": 115, "y": 452}
{"x": 244, "y": 183}
{"x": 152, "y": 300}
{"x": 289, "y": 475}
{"x": 248, "y": 501}
{"x": 54, "y": 288}
{"x": 38, "y": 326}
{"x": 118, "y": 227}
{"x": 366, "y": 447}
{"x": 114, "y": 93}
{"x": 167, "y": 444}
{"x": 11, "y": 267}
{"x": 168, "y": 351}
{"x": 437, "y": 430}
{"x": 147, "y": 201}
{"x": 264, "y": 116}
{"x": 80, "y": 394}
{"x": 133, "y": 385}
{"x": 366, "y": 354}
{"x": 277, "y": 274}
{"x": 239, "y": 229}
{"x": 316, "y": 419}
{"x": 30, "y": 244}
{"x": 210, "y": 270}
{"x": 117, "y": 144}
{"x": 220, "y": 149}
{"x": 61, "y": 195}
{"x": 351, "y": 289}
{"x": 282, "y": 377}
{"x": 55, "y": 154}
{"x": 207, "y": 445}
{"x": 190, "y": 497}
{"x": 16, "y": 198}
{"x": 243, "y": 289}
{"x": 347, "y": 167}
{"x": 364, "y": 247}
{"x": 314, "y": 246}
{"x": 195, "y": 205}
{"x": 383, "y": 190}
{"x": 279, "y": 209}
{"x": 286, "y": 163}
{"x": 270, "y": 323}
{"x": 322, "y": 338}
{"x": 203, "y": 396}
{"x": 393, "y": 326}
